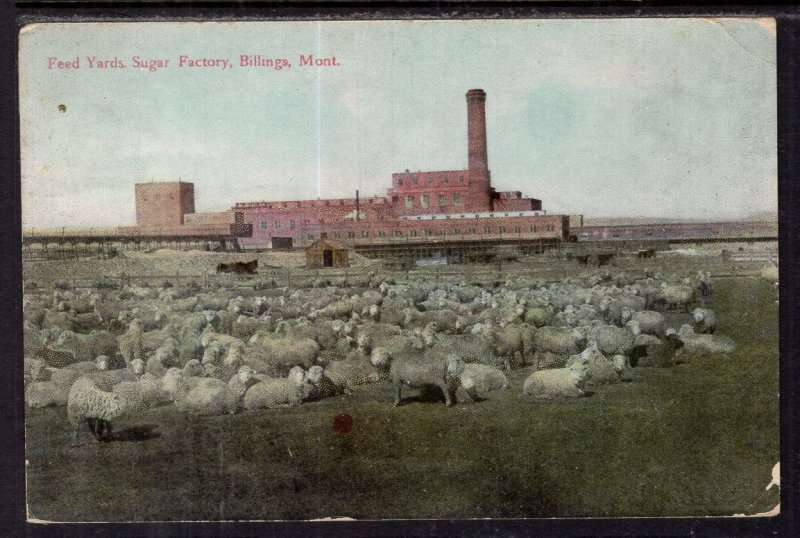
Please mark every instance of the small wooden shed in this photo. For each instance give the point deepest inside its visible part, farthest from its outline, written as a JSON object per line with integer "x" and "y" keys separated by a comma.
{"x": 327, "y": 253}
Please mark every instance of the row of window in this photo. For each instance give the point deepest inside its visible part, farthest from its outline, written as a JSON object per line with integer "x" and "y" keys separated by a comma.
{"x": 277, "y": 224}
{"x": 415, "y": 180}
{"x": 427, "y": 232}
{"x": 425, "y": 201}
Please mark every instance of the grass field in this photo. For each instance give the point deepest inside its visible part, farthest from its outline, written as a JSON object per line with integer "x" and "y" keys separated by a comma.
{"x": 697, "y": 439}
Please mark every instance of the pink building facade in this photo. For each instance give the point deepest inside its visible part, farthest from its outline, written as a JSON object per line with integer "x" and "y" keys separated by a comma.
{"x": 424, "y": 206}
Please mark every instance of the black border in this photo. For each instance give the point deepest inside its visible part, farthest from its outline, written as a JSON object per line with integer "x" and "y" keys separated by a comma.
{"x": 12, "y": 486}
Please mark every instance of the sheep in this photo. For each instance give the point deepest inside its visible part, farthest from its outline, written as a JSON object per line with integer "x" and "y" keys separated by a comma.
{"x": 481, "y": 378}
{"x": 321, "y": 384}
{"x": 281, "y": 392}
{"x": 700, "y": 345}
{"x": 421, "y": 372}
{"x": 553, "y": 383}
{"x": 705, "y": 321}
{"x": 649, "y": 322}
{"x": 599, "y": 369}
{"x": 35, "y": 370}
{"x": 46, "y": 394}
{"x": 611, "y": 340}
{"x": 276, "y": 355}
{"x": 205, "y": 396}
{"x": 105, "y": 380}
{"x": 87, "y": 346}
{"x": 130, "y": 344}
{"x": 555, "y": 345}
{"x": 141, "y": 394}
{"x": 239, "y": 383}
{"x": 348, "y": 374}
{"x": 676, "y": 296}
{"x": 86, "y": 403}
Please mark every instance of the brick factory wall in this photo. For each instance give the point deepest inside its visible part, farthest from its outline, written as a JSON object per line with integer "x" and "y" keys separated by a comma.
{"x": 163, "y": 204}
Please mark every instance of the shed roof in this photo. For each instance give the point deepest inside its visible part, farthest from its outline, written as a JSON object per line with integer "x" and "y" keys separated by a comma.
{"x": 333, "y": 245}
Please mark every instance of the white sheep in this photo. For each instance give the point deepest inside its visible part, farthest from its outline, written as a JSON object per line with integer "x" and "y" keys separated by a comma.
{"x": 700, "y": 345}
{"x": 481, "y": 378}
{"x": 87, "y": 404}
{"x": 277, "y": 392}
{"x": 705, "y": 320}
{"x": 557, "y": 382}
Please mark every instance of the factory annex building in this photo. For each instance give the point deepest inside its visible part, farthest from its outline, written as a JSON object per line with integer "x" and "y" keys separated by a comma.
{"x": 446, "y": 206}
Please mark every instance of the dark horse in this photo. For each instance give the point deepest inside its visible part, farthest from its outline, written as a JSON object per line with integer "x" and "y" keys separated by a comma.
{"x": 239, "y": 268}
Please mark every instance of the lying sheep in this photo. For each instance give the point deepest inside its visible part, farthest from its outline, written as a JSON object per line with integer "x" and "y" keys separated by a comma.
{"x": 705, "y": 321}
{"x": 479, "y": 379}
{"x": 88, "y": 404}
{"x": 701, "y": 345}
{"x": 278, "y": 392}
{"x": 599, "y": 369}
{"x": 205, "y": 396}
{"x": 321, "y": 384}
{"x": 422, "y": 372}
{"x": 557, "y": 382}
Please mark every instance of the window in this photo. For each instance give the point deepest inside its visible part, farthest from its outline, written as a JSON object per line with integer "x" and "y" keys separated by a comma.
{"x": 442, "y": 201}
{"x": 446, "y": 180}
{"x": 426, "y": 200}
{"x": 409, "y": 201}
{"x": 457, "y": 231}
{"x": 414, "y": 180}
{"x": 364, "y": 233}
{"x": 263, "y": 225}
{"x": 442, "y": 231}
{"x": 487, "y": 230}
{"x": 430, "y": 180}
{"x": 351, "y": 234}
{"x": 412, "y": 233}
{"x": 306, "y": 221}
{"x": 471, "y": 231}
{"x": 502, "y": 229}
{"x": 400, "y": 181}
{"x": 277, "y": 225}
{"x": 291, "y": 225}
{"x": 550, "y": 227}
{"x": 398, "y": 233}
{"x": 337, "y": 235}
{"x": 428, "y": 232}
{"x": 517, "y": 229}
{"x": 310, "y": 237}
{"x": 533, "y": 228}
{"x": 456, "y": 199}
{"x": 461, "y": 179}
{"x": 381, "y": 233}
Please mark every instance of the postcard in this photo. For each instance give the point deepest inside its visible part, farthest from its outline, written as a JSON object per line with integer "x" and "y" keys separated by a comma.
{"x": 400, "y": 269}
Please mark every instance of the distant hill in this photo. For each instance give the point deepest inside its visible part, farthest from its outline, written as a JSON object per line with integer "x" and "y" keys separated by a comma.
{"x": 620, "y": 221}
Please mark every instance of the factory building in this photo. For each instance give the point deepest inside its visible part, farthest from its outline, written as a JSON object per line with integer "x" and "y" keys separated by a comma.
{"x": 423, "y": 207}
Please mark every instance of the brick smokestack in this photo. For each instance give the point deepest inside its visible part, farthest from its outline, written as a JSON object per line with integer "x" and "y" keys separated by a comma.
{"x": 476, "y": 133}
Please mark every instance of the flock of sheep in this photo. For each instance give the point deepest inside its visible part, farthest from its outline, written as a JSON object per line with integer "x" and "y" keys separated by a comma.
{"x": 106, "y": 352}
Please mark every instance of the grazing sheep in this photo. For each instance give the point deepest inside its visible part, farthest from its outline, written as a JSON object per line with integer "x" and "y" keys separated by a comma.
{"x": 677, "y": 296}
{"x": 348, "y": 374}
{"x": 557, "y": 382}
{"x": 539, "y": 315}
{"x": 86, "y": 403}
{"x": 281, "y": 392}
{"x": 705, "y": 321}
{"x": 423, "y": 372}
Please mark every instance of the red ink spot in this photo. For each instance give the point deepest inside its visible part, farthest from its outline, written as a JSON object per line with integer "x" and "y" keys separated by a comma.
{"x": 342, "y": 423}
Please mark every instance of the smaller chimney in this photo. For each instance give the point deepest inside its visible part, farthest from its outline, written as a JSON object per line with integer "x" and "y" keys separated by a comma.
{"x": 358, "y": 211}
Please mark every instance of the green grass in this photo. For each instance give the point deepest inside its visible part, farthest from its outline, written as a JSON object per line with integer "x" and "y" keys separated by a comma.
{"x": 697, "y": 439}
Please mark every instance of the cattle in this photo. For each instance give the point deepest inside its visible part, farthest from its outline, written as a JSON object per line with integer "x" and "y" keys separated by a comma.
{"x": 239, "y": 268}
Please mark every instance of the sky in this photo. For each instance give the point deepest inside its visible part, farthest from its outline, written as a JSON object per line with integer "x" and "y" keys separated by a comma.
{"x": 662, "y": 118}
